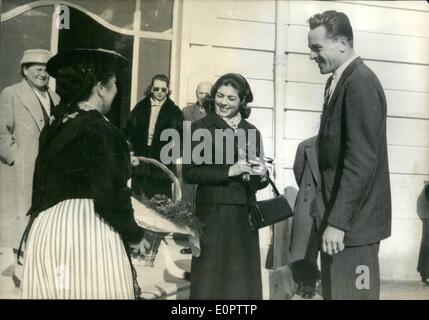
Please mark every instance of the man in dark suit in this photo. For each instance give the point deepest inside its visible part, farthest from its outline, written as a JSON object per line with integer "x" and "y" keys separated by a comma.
{"x": 352, "y": 154}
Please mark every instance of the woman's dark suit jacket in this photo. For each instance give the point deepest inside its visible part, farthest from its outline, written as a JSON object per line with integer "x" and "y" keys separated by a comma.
{"x": 214, "y": 185}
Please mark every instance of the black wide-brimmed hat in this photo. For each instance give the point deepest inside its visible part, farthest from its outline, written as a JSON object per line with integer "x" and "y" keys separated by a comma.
{"x": 100, "y": 57}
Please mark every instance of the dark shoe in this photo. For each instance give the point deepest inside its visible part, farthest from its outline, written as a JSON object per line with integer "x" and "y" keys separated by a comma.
{"x": 186, "y": 251}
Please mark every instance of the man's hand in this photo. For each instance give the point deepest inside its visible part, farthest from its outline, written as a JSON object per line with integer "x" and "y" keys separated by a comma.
{"x": 332, "y": 240}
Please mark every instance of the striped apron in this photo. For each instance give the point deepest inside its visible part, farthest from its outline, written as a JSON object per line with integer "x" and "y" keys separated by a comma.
{"x": 73, "y": 253}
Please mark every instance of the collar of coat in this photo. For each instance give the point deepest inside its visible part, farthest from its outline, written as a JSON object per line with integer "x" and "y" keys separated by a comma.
{"x": 168, "y": 109}
{"x": 195, "y": 108}
{"x": 346, "y": 73}
{"x": 61, "y": 133}
{"x": 168, "y": 113}
{"x": 310, "y": 150}
{"x": 212, "y": 119}
{"x": 29, "y": 99}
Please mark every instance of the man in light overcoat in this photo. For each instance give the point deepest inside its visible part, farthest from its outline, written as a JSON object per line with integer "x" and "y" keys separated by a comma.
{"x": 25, "y": 109}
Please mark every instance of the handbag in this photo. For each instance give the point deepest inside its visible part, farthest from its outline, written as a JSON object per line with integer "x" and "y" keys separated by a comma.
{"x": 268, "y": 212}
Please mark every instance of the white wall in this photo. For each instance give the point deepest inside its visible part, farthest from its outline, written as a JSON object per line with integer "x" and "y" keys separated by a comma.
{"x": 392, "y": 37}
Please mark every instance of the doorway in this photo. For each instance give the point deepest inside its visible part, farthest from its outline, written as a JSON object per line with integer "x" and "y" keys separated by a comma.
{"x": 85, "y": 32}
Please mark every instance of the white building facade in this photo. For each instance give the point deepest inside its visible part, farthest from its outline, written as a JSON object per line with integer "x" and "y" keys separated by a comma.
{"x": 266, "y": 41}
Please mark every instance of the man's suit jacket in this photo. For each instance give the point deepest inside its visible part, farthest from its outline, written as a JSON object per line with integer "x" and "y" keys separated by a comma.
{"x": 21, "y": 121}
{"x": 308, "y": 201}
{"x": 352, "y": 153}
{"x": 192, "y": 113}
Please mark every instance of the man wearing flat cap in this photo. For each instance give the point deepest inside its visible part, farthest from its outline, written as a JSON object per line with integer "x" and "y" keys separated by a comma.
{"x": 25, "y": 109}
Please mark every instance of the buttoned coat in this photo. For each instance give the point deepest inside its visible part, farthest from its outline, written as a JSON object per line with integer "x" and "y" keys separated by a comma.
{"x": 21, "y": 121}
{"x": 229, "y": 264}
{"x": 308, "y": 202}
{"x": 352, "y": 153}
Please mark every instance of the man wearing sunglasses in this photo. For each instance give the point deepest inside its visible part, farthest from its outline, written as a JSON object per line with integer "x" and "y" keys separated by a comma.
{"x": 155, "y": 113}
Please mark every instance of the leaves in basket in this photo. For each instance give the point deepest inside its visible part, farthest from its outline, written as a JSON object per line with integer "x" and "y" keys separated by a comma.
{"x": 180, "y": 212}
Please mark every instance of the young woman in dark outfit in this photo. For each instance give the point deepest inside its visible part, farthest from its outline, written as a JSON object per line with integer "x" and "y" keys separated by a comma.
{"x": 81, "y": 214}
{"x": 229, "y": 265}
{"x": 146, "y": 122}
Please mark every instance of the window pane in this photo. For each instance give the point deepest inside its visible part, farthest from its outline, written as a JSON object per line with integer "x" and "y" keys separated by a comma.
{"x": 157, "y": 15}
{"x": 119, "y": 13}
{"x": 154, "y": 59}
{"x": 30, "y": 30}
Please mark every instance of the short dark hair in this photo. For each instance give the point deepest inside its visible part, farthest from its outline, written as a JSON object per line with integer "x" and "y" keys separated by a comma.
{"x": 160, "y": 77}
{"x": 337, "y": 24}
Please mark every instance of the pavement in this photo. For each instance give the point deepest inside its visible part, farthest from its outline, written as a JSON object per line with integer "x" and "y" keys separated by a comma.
{"x": 157, "y": 283}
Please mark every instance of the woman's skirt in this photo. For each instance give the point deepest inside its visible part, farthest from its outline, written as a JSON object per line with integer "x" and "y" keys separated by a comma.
{"x": 229, "y": 267}
{"x": 73, "y": 253}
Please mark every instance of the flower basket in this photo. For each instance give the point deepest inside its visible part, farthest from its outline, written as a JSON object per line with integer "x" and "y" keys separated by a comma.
{"x": 161, "y": 215}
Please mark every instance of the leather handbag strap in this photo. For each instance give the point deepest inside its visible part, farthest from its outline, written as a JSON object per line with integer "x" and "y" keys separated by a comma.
{"x": 276, "y": 191}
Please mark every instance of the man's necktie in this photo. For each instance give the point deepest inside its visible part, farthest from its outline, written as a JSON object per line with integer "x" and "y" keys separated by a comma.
{"x": 327, "y": 91}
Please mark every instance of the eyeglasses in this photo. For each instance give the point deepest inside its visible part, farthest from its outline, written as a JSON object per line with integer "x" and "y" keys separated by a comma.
{"x": 156, "y": 89}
